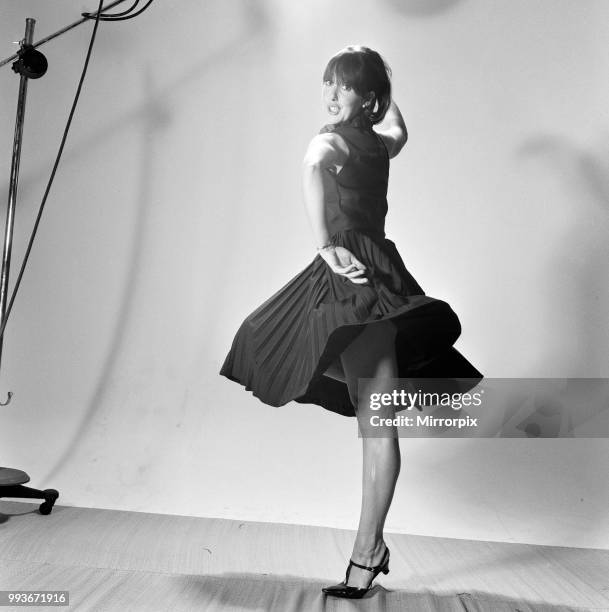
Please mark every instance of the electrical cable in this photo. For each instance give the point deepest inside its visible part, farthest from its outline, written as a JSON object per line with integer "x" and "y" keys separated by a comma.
{"x": 55, "y": 165}
{"x": 131, "y": 16}
{"x": 104, "y": 16}
{"x": 117, "y": 16}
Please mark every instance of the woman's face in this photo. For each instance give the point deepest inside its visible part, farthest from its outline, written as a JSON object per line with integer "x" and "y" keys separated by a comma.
{"x": 340, "y": 101}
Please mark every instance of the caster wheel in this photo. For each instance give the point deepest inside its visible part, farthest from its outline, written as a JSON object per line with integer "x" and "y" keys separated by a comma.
{"x": 50, "y": 497}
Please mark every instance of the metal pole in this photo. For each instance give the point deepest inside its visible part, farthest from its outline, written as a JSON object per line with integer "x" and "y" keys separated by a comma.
{"x": 14, "y": 180}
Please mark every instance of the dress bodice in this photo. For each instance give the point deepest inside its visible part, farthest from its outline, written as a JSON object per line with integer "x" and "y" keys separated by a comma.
{"x": 356, "y": 197}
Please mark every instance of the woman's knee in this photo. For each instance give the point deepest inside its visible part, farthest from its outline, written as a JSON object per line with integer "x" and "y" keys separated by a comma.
{"x": 369, "y": 359}
{"x": 375, "y": 345}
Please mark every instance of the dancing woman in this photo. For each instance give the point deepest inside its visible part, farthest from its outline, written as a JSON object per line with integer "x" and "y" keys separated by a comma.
{"x": 354, "y": 318}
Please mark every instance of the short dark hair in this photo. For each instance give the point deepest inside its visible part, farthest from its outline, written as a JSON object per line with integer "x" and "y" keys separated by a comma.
{"x": 364, "y": 70}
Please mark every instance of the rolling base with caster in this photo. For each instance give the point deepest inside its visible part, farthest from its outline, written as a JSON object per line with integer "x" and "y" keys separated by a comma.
{"x": 11, "y": 485}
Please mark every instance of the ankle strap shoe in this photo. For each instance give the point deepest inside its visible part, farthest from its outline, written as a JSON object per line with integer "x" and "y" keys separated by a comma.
{"x": 350, "y": 592}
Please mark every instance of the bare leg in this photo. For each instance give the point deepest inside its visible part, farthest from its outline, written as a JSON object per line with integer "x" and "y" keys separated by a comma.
{"x": 372, "y": 356}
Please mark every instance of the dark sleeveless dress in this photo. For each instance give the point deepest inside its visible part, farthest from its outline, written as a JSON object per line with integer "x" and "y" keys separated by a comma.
{"x": 283, "y": 348}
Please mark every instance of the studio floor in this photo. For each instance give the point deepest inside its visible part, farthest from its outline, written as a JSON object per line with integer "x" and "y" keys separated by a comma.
{"x": 131, "y": 561}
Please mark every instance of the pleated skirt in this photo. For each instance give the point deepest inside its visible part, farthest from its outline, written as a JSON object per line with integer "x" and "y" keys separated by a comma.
{"x": 282, "y": 349}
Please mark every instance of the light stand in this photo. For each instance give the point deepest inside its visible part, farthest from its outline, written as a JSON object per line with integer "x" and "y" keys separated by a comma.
{"x": 31, "y": 64}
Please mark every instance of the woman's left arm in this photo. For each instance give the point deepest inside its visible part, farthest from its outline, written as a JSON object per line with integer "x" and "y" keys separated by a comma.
{"x": 393, "y": 130}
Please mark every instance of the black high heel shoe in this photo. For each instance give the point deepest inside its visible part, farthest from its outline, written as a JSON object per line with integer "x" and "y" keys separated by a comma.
{"x": 350, "y": 592}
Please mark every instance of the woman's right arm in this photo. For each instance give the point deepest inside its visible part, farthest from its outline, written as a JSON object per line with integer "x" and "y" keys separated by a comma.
{"x": 327, "y": 152}
{"x": 393, "y": 130}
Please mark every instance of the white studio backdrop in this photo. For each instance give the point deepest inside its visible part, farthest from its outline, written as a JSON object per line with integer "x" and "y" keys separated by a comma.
{"x": 177, "y": 210}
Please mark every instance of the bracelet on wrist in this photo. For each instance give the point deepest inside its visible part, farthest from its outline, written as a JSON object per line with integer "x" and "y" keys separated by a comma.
{"x": 325, "y": 247}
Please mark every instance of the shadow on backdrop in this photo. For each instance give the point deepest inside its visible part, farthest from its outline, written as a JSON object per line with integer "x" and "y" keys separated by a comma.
{"x": 572, "y": 283}
{"x": 574, "y": 279}
{"x": 421, "y": 8}
{"x": 151, "y": 118}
